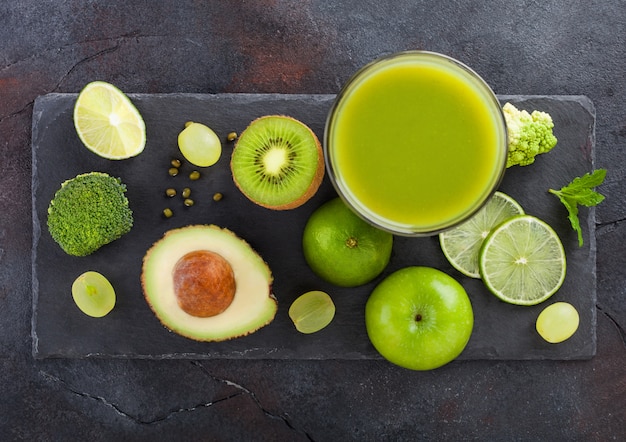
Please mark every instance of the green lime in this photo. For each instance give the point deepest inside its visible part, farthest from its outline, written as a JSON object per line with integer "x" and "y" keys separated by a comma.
{"x": 522, "y": 261}
{"x": 312, "y": 311}
{"x": 342, "y": 248}
{"x": 461, "y": 244}
{"x": 108, "y": 123}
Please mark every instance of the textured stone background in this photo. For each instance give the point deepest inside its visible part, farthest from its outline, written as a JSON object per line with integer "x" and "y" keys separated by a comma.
{"x": 520, "y": 47}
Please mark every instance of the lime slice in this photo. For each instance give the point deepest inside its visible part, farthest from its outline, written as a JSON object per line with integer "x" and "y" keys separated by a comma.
{"x": 522, "y": 261}
{"x": 108, "y": 123}
{"x": 312, "y": 311}
{"x": 461, "y": 244}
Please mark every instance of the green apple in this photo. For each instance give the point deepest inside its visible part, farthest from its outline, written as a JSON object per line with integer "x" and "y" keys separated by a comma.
{"x": 419, "y": 318}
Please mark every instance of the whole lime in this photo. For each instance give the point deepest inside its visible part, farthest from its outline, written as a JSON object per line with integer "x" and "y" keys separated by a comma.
{"x": 342, "y": 248}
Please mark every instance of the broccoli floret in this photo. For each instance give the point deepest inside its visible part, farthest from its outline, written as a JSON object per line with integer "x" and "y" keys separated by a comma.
{"x": 89, "y": 211}
{"x": 529, "y": 135}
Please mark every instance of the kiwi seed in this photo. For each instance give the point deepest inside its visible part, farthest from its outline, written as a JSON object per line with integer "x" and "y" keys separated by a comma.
{"x": 278, "y": 162}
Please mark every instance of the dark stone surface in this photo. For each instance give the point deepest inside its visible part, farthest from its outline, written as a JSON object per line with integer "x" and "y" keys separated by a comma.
{"x": 501, "y": 331}
{"x": 531, "y": 48}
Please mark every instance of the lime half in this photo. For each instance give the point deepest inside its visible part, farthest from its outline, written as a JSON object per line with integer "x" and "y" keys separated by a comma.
{"x": 108, "y": 123}
{"x": 461, "y": 245}
{"x": 522, "y": 261}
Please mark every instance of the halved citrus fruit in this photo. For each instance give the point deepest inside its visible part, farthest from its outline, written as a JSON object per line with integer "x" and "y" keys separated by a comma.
{"x": 108, "y": 123}
{"x": 522, "y": 261}
{"x": 461, "y": 244}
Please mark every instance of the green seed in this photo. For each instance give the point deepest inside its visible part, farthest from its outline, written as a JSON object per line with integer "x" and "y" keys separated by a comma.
{"x": 194, "y": 175}
{"x": 168, "y": 213}
{"x": 170, "y": 192}
{"x": 173, "y": 171}
{"x": 231, "y": 136}
{"x": 218, "y": 196}
{"x": 186, "y": 192}
{"x": 176, "y": 163}
{"x": 188, "y": 202}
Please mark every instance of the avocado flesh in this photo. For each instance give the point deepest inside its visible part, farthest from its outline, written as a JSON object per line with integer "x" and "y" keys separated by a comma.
{"x": 253, "y": 306}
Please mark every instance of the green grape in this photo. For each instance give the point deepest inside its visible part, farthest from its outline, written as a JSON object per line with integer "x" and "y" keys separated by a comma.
{"x": 199, "y": 145}
{"x": 93, "y": 294}
{"x": 557, "y": 322}
{"x": 312, "y": 311}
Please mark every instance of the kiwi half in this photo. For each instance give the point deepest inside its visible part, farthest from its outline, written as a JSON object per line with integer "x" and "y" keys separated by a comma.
{"x": 278, "y": 162}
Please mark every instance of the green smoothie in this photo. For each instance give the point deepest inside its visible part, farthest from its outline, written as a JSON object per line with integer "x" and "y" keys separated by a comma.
{"x": 416, "y": 143}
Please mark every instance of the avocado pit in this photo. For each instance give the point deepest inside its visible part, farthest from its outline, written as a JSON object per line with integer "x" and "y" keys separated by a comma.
{"x": 204, "y": 283}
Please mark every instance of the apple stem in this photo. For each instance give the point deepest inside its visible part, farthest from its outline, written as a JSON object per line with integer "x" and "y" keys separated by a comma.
{"x": 418, "y": 317}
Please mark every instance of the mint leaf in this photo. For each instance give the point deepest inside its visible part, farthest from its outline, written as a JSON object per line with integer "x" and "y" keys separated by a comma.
{"x": 588, "y": 197}
{"x": 580, "y": 191}
{"x": 572, "y": 209}
{"x": 590, "y": 180}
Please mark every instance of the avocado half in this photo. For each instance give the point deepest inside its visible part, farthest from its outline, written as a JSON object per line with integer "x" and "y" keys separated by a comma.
{"x": 253, "y": 304}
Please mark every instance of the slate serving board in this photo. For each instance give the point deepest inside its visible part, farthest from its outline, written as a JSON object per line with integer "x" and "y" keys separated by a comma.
{"x": 59, "y": 329}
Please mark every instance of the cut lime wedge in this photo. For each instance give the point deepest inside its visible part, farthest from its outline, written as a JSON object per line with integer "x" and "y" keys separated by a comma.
{"x": 108, "y": 123}
{"x": 461, "y": 244}
{"x": 522, "y": 261}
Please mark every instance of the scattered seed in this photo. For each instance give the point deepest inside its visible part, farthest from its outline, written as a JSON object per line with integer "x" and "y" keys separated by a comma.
{"x": 176, "y": 163}
{"x": 232, "y": 136}
{"x": 173, "y": 171}
{"x": 186, "y": 192}
{"x": 188, "y": 202}
{"x": 168, "y": 212}
{"x": 170, "y": 192}
{"x": 194, "y": 175}
{"x": 217, "y": 196}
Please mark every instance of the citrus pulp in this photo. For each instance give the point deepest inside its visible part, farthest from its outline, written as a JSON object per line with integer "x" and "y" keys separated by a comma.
{"x": 522, "y": 261}
{"x": 461, "y": 244}
{"x": 108, "y": 123}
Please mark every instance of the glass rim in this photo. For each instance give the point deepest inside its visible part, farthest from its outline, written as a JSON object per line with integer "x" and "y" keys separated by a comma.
{"x": 491, "y": 100}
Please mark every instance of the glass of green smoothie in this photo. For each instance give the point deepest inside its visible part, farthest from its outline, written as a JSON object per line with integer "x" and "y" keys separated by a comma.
{"x": 415, "y": 143}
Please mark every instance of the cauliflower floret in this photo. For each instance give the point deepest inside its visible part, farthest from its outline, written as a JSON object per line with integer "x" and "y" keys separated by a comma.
{"x": 530, "y": 134}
